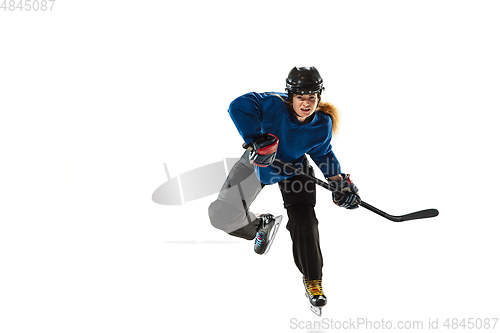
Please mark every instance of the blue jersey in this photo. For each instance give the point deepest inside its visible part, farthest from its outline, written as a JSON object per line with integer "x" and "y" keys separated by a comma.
{"x": 257, "y": 113}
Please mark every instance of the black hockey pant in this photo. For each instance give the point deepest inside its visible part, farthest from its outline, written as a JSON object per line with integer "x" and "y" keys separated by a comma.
{"x": 230, "y": 212}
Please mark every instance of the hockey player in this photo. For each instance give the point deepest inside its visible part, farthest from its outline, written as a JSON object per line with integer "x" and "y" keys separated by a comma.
{"x": 286, "y": 126}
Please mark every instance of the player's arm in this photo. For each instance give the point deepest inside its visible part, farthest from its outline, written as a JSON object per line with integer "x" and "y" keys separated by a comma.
{"x": 246, "y": 113}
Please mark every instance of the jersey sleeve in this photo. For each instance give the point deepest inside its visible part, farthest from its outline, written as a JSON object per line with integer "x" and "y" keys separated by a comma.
{"x": 246, "y": 114}
{"x": 328, "y": 164}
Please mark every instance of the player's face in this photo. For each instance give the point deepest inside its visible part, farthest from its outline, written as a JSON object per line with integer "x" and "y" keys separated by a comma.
{"x": 304, "y": 105}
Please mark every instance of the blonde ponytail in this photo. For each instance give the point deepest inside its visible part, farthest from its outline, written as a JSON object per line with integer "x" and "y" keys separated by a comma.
{"x": 332, "y": 111}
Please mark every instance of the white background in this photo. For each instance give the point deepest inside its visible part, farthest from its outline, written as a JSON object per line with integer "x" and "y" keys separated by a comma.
{"x": 96, "y": 95}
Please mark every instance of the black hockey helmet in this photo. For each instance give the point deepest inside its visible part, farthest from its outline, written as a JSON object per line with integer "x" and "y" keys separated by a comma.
{"x": 304, "y": 81}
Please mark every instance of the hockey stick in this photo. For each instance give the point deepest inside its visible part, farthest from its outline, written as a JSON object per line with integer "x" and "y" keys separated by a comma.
{"x": 412, "y": 216}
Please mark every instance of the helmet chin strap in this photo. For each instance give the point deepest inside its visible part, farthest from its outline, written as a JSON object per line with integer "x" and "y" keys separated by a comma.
{"x": 297, "y": 115}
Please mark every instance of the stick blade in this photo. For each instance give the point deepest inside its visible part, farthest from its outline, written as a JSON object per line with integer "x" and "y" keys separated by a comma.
{"x": 423, "y": 214}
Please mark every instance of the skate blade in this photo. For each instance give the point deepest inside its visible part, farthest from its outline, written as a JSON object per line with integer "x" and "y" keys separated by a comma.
{"x": 317, "y": 310}
{"x": 277, "y": 222}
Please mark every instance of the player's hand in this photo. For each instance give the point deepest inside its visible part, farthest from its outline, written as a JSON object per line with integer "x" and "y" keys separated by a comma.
{"x": 263, "y": 150}
{"x": 347, "y": 197}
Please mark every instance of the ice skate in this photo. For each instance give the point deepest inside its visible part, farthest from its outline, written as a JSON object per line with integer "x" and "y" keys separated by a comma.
{"x": 314, "y": 291}
{"x": 266, "y": 233}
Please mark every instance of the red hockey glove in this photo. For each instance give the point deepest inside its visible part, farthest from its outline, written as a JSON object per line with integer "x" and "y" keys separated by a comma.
{"x": 349, "y": 197}
{"x": 263, "y": 150}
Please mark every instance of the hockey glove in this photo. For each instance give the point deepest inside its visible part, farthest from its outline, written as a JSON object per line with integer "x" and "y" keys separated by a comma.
{"x": 263, "y": 150}
{"x": 349, "y": 197}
